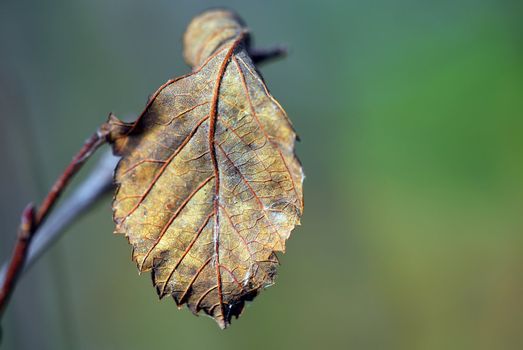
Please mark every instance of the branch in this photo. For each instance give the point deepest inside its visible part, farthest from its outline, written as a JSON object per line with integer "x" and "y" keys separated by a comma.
{"x": 96, "y": 185}
{"x": 25, "y": 234}
{"x": 27, "y": 250}
{"x": 91, "y": 145}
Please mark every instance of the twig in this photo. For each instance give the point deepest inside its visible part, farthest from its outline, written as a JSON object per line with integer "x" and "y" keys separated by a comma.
{"x": 85, "y": 195}
{"x": 25, "y": 234}
{"x": 31, "y": 221}
{"x": 90, "y": 145}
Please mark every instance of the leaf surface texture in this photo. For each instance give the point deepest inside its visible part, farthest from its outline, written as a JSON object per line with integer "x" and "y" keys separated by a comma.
{"x": 209, "y": 187}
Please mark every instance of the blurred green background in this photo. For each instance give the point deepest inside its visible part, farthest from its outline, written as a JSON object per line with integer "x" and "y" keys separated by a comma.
{"x": 411, "y": 116}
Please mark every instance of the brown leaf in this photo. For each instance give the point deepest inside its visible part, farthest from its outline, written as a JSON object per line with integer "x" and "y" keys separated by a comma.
{"x": 209, "y": 187}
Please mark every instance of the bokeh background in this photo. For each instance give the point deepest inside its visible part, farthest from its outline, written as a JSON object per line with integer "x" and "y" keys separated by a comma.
{"x": 411, "y": 119}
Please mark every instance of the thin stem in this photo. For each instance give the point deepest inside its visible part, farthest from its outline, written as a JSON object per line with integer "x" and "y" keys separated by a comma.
{"x": 90, "y": 145}
{"x": 25, "y": 234}
{"x": 31, "y": 221}
{"x": 98, "y": 183}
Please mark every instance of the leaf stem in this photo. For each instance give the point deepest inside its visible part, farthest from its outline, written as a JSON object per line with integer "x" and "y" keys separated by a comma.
{"x": 25, "y": 234}
{"x": 90, "y": 145}
{"x": 32, "y": 219}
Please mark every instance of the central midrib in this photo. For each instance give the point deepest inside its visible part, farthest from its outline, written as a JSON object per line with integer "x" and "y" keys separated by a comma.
{"x": 212, "y": 131}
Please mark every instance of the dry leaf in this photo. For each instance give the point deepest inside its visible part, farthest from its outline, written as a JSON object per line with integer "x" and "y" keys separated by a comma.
{"x": 209, "y": 187}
